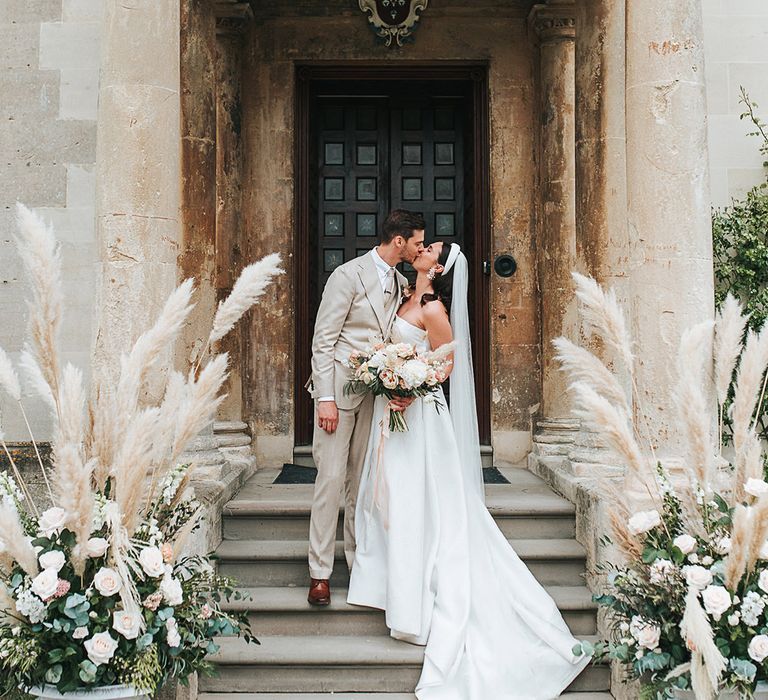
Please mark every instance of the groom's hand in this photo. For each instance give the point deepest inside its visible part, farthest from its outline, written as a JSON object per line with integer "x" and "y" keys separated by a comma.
{"x": 327, "y": 416}
{"x": 400, "y": 403}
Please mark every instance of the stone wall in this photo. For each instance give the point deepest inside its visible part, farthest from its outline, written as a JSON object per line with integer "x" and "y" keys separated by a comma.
{"x": 334, "y": 31}
{"x": 735, "y": 36}
{"x": 49, "y": 69}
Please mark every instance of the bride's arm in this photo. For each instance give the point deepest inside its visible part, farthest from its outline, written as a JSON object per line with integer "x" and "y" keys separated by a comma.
{"x": 438, "y": 326}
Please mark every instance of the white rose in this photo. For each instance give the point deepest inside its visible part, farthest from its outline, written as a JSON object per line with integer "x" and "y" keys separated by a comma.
{"x": 716, "y": 600}
{"x": 377, "y": 359}
{"x": 414, "y": 372}
{"x": 172, "y": 632}
{"x": 171, "y": 590}
{"x": 756, "y": 487}
{"x": 685, "y": 543}
{"x": 693, "y": 558}
{"x": 647, "y": 634}
{"x": 96, "y": 547}
{"x": 723, "y": 545}
{"x": 643, "y": 521}
{"x": 52, "y": 520}
{"x": 151, "y": 560}
{"x": 758, "y": 648}
{"x": 80, "y": 633}
{"x": 733, "y": 619}
{"x": 54, "y": 559}
{"x": 762, "y": 582}
{"x": 707, "y": 560}
{"x": 45, "y": 583}
{"x": 126, "y": 623}
{"x": 101, "y": 648}
{"x": 697, "y": 576}
{"x": 661, "y": 570}
{"x": 107, "y": 581}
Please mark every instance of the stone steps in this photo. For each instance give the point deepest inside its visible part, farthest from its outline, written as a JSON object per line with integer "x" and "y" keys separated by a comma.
{"x": 345, "y": 651}
{"x": 284, "y": 562}
{"x": 363, "y": 696}
{"x": 287, "y": 664}
{"x": 283, "y": 611}
{"x": 519, "y": 515}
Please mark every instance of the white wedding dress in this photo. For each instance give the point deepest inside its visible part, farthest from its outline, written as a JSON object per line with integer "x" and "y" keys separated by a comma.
{"x": 432, "y": 557}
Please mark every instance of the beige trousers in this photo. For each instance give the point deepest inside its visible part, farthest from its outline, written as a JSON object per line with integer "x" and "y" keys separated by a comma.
{"x": 339, "y": 458}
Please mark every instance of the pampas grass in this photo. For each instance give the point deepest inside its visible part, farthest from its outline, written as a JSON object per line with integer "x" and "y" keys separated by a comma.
{"x": 35, "y": 381}
{"x": 582, "y": 366}
{"x": 251, "y": 284}
{"x": 15, "y": 540}
{"x": 748, "y": 381}
{"x": 9, "y": 380}
{"x": 729, "y": 331}
{"x": 707, "y": 662}
{"x": 600, "y": 312}
{"x": 741, "y": 537}
{"x": 599, "y": 415}
{"x": 40, "y": 257}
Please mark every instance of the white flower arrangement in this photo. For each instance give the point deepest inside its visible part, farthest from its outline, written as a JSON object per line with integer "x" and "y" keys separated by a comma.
{"x": 688, "y": 606}
{"x": 94, "y": 590}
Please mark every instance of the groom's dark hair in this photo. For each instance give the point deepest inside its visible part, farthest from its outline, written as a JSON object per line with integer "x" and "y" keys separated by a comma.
{"x": 401, "y": 222}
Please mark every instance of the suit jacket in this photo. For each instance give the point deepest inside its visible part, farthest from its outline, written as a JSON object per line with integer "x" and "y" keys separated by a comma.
{"x": 351, "y": 314}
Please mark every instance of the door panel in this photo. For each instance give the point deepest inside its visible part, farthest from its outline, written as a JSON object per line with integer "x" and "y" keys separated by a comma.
{"x": 396, "y": 145}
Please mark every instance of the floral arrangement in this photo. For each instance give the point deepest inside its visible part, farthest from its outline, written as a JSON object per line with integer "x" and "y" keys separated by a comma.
{"x": 398, "y": 370}
{"x": 688, "y": 608}
{"x": 95, "y": 589}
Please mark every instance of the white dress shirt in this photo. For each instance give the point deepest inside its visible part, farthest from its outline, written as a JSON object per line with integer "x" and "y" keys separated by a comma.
{"x": 383, "y": 268}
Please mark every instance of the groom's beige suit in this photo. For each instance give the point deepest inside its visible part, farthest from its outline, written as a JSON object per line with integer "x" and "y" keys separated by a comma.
{"x": 359, "y": 304}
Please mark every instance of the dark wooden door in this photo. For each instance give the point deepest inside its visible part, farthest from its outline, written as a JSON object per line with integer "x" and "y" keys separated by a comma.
{"x": 388, "y": 146}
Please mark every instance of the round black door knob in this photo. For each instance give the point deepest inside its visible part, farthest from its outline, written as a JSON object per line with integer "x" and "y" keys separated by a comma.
{"x": 505, "y": 265}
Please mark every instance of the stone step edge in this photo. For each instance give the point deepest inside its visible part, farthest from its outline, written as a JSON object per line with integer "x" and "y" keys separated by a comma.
{"x": 323, "y": 651}
{"x": 277, "y": 599}
{"x": 544, "y": 549}
{"x": 363, "y": 696}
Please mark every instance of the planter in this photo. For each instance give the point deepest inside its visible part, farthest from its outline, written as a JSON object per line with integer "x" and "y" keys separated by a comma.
{"x": 106, "y": 692}
{"x": 761, "y": 693}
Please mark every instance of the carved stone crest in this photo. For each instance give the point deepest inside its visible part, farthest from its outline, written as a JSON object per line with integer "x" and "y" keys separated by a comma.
{"x": 393, "y": 20}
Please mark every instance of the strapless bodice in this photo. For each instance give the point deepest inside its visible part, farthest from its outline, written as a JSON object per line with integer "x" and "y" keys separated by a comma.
{"x": 405, "y": 332}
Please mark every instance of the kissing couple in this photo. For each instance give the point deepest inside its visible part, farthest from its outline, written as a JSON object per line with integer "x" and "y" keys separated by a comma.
{"x": 432, "y": 557}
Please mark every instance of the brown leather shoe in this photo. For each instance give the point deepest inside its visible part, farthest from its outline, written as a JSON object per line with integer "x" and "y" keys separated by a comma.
{"x": 319, "y": 591}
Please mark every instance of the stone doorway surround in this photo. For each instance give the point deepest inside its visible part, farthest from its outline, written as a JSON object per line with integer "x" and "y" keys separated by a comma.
{"x": 598, "y": 161}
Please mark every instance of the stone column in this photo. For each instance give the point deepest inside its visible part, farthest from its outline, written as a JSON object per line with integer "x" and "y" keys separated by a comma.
{"x": 554, "y": 26}
{"x": 137, "y": 171}
{"x": 668, "y": 194}
{"x": 602, "y": 246}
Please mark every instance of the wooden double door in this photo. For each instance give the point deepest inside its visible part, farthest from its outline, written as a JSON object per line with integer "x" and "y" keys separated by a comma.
{"x": 374, "y": 146}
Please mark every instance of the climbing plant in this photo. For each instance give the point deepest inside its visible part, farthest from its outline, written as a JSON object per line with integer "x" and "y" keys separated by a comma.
{"x": 740, "y": 245}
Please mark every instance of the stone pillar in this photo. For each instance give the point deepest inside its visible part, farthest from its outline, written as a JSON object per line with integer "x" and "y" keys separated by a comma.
{"x": 554, "y": 25}
{"x": 137, "y": 172}
{"x": 668, "y": 195}
{"x": 602, "y": 245}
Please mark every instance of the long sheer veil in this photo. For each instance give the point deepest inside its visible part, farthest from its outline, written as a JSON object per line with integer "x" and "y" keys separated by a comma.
{"x": 463, "y": 409}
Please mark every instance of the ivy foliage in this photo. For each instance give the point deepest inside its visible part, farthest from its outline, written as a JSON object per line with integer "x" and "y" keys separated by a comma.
{"x": 740, "y": 245}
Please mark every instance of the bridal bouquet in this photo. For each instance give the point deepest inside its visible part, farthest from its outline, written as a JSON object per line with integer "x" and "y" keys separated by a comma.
{"x": 95, "y": 589}
{"x": 688, "y": 608}
{"x": 398, "y": 370}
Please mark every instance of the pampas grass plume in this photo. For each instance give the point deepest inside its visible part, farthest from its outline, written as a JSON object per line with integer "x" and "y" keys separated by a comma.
{"x": 9, "y": 380}
{"x": 698, "y": 632}
{"x": 729, "y": 331}
{"x": 12, "y": 535}
{"x": 748, "y": 381}
{"x": 581, "y": 365}
{"x": 601, "y": 312}
{"x": 741, "y": 536}
{"x": 250, "y": 285}
{"x": 34, "y": 378}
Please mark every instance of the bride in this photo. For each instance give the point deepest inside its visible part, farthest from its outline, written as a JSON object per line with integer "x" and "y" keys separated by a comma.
{"x": 431, "y": 555}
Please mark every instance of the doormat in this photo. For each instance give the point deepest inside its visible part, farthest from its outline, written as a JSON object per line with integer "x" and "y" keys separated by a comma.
{"x": 296, "y": 474}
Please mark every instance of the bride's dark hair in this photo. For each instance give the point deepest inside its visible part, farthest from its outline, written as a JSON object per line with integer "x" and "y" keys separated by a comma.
{"x": 443, "y": 282}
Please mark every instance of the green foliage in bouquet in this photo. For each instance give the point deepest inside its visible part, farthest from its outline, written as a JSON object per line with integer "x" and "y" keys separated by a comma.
{"x": 686, "y": 607}
{"x": 97, "y": 590}
{"x": 740, "y": 246}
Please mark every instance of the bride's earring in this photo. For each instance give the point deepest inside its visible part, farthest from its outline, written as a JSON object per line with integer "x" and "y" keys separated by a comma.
{"x": 432, "y": 273}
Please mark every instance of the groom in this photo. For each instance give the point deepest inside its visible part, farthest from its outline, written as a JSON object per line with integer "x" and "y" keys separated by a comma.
{"x": 359, "y": 304}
